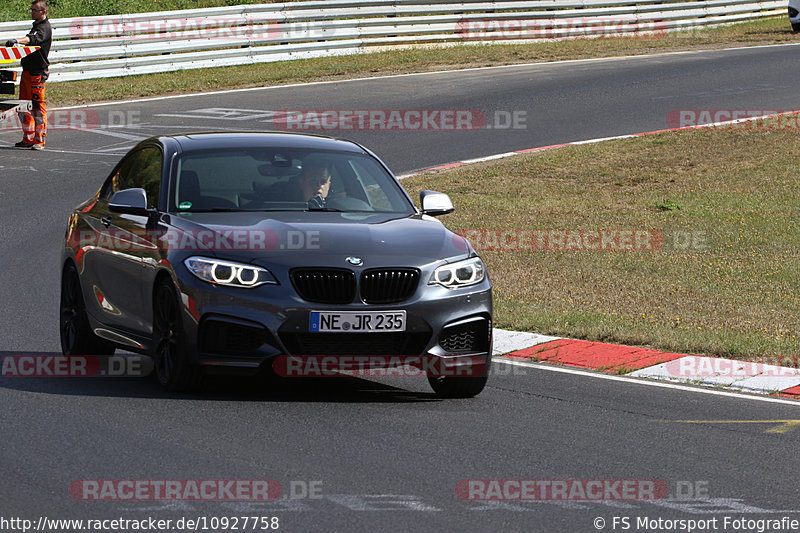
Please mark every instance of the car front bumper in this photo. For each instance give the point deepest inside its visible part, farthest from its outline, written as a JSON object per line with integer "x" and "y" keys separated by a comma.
{"x": 232, "y": 328}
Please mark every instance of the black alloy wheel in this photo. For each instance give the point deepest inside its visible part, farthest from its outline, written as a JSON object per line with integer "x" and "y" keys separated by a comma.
{"x": 77, "y": 337}
{"x": 173, "y": 368}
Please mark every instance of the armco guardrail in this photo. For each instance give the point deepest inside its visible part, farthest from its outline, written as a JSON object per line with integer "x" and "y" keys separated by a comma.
{"x": 120, "y": 45}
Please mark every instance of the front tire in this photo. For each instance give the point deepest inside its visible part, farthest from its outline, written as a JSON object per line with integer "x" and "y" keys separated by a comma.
{"x": 173, "y": 368}
{"x": 77, "y": 337}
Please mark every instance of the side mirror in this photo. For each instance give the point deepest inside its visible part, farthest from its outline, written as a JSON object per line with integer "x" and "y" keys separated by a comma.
{"x": 435, "y": 203}
{"x": 130, "y": 202}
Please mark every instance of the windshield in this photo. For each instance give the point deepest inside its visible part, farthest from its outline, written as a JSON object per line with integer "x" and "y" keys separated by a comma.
{"x": 273, "y": 179}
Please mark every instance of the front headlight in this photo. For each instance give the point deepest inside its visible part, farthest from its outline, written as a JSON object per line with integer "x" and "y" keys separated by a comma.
{"x": 228, "y": 273}
{"x": 460, "y": 274}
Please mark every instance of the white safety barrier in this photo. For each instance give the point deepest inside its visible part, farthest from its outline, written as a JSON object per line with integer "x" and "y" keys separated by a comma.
{"x": 121, "y": 45}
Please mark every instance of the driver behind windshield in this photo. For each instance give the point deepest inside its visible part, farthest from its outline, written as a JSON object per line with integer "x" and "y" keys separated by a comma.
{"x": 312, "y": 185}
{"x": 315, "y": 180}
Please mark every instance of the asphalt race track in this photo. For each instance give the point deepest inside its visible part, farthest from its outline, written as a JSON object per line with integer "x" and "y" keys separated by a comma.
{"x": 362, "y": 455}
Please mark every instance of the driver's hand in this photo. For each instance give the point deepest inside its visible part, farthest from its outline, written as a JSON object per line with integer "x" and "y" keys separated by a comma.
{"x": 317, "y": 202}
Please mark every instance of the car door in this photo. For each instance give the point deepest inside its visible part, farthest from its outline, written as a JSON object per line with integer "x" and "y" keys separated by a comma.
{"x": 122, "y": 263}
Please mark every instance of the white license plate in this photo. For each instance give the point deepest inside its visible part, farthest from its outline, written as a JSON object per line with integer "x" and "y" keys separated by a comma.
{"x": 345, "y": 322}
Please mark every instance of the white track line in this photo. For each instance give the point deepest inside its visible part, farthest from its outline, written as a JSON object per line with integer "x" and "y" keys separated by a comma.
{"x": 640, "y": 381}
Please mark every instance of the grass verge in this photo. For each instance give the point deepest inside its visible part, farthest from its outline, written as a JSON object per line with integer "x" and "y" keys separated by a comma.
{"x": 722, "y": 281}
{"x": 769, "y": 31}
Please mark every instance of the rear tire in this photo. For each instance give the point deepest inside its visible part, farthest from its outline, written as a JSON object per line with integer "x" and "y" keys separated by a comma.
{"x": 77, "y": 337}
{"x": 796, "y": 27}
{"x": 173, "y": 367}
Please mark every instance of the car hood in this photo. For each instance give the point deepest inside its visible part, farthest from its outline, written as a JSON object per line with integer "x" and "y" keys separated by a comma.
{"x": 319, "y": 238}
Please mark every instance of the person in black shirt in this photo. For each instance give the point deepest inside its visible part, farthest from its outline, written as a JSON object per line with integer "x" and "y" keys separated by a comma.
{"x": 34, "y": 74}
{"x": 312, "y": 186}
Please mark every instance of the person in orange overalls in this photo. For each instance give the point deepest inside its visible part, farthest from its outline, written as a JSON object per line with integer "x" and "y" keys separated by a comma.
{"x": 34, "y": 74}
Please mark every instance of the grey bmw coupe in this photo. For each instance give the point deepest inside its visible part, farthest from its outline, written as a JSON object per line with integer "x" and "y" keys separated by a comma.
{"x": 267, "y": 251}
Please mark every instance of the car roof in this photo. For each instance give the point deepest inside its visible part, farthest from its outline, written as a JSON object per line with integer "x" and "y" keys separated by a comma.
{"x": 217, "y": 140}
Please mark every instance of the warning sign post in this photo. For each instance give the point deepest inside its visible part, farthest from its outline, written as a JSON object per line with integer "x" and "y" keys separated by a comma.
{"x": 9, "y": 55}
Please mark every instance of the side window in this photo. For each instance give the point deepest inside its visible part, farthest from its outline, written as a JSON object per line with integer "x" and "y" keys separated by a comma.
{"x": 110, "y": 186}
{"x": 143, "y": 169}
{"x": 376, "y": 196}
